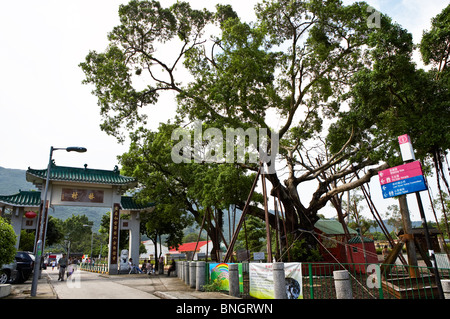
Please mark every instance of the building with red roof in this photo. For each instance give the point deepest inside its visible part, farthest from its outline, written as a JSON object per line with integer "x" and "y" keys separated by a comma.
{"x": 188, "y": 248}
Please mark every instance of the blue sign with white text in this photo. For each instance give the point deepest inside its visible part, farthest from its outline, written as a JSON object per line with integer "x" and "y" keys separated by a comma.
{"x": 405, "y": 186}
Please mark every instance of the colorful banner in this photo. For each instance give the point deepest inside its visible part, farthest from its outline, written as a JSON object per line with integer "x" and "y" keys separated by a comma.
{"x": 261, "y": 280}
{"x": 220, "y": 272}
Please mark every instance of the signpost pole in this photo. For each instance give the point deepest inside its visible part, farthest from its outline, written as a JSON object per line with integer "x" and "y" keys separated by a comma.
{"x": 409, "y": 242}
{"x": 407, "y": 152}
{"x": 406, "y": 179}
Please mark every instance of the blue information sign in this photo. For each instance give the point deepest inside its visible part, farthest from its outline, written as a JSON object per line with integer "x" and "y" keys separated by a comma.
{"x": 405, "y": 186}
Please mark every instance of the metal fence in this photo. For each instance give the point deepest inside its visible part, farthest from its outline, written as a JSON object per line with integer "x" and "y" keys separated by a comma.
{"x": 368, "y": 281}
{"x": 372, "y": 281}
{"x": 99, "y": 268}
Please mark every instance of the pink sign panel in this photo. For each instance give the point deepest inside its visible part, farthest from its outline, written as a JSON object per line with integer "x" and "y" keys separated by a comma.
{"x": 404, "y": 139}
{"x": 398, "y": 173}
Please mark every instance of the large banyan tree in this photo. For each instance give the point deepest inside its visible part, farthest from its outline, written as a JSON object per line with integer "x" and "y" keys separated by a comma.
{"x": 334, "y": 83}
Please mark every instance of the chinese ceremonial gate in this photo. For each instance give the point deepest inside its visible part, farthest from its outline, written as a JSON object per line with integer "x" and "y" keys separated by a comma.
{"x": 70, "y": 186}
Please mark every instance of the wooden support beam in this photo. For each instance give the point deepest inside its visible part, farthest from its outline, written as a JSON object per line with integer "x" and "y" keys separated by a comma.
{"x": 390, "y": 259}
{"x": 241, "y": 220}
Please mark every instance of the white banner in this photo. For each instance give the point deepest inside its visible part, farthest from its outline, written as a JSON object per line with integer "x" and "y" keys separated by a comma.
{"x": 261, "y": 280}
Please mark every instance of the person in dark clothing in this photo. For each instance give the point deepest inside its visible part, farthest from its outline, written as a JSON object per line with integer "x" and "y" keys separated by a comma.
{"x": 62, "y": 264}
{"x": 171, "y": 268}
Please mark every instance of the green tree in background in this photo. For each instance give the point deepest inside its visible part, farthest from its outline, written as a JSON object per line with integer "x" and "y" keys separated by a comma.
{"x": 54, "y": 233}
{"x": 435, "y": 50}
{"x": 26, "y": 242}
{"x": 78, "y": 235}
{"x": 253, "y": 235}
{"x": 7, "y": 242}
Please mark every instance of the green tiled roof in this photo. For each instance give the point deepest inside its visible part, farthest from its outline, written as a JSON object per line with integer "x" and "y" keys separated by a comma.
{"x": 33, "y": 199}
{"x": 22, "y": 199}
{"x": 82, "y": 175}
{"x": 332, "y": 227}
{"x": 128, "y": 203}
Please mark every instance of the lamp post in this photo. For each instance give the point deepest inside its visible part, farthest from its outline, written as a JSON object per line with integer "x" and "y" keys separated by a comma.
{"x": 41, "y": 235}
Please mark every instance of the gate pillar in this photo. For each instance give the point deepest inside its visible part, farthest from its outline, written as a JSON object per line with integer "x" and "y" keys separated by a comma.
{"x": 113, "y": 251}
{"x": 134, "y": 240}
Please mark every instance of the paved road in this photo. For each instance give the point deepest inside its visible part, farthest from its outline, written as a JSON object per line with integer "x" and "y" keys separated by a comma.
{"x": 88, "y": 285}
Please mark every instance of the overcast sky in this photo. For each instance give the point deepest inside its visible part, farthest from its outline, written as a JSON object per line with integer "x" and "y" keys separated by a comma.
{"x": 42, "y": 100}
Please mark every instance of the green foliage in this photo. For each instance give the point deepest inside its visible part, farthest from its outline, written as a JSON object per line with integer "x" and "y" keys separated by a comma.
{"x": 78, "y": 235}
{"x": 391, "y": 97}
{"x": 214, "y": 286}
{"x": 7, "y": 242}
{"x": 300, "y": 251}
{"x": 55, "y": 229}
{"x": 26, "y": 242}
{"x": 183, "y": 191}
{"x": 104, "y": 233}
{"x": 192, "y": 237}
{"x": 253, "y": 235}
{"x": 435, "y": 44}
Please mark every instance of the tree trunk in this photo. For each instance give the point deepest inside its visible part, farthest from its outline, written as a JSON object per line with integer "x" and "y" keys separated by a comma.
{"x": 155, "y": 243}
{"x": 213, "y": 233}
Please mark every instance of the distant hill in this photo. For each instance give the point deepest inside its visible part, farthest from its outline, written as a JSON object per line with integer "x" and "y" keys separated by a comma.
{"x": 414, "y": 224}
{"x": 13, "y": 180}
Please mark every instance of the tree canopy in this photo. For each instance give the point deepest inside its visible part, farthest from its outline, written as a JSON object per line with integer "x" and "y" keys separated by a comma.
{"x": 185, "y": 192}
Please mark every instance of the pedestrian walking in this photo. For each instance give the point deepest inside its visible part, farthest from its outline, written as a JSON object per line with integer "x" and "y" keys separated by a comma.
{"x": 62, "y": 264}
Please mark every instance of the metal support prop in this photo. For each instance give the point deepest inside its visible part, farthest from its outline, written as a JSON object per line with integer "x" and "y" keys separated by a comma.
{"x": 266, "y": 211}
{"x": 430, "y": 247}
{"x": 241, "y": 220}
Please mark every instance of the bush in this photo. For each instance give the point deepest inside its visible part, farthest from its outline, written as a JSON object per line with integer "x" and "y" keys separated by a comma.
{"x": 212, "y": 287}
{"x": 7, "y": 243}
{"x": 300, "y": 252}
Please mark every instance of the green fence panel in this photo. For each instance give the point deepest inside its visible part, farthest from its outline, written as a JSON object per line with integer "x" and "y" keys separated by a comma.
{"x": 368, "y": 281}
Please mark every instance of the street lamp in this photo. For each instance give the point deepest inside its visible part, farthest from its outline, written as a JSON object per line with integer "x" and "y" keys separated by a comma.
{"x": 41, "y": 235}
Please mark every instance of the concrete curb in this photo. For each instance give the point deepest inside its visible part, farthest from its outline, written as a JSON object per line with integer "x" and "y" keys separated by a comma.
{"x": 5, "y": 290}
{"x": 163, "y": 295}
{"x": 55, "y": 295}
